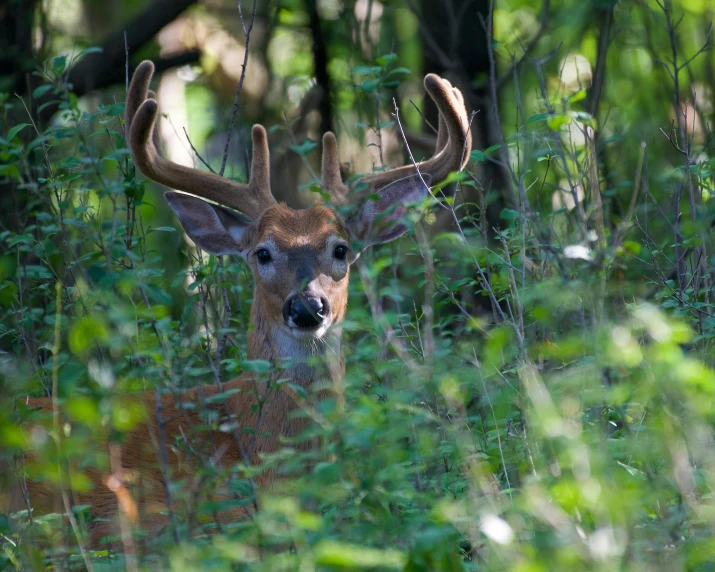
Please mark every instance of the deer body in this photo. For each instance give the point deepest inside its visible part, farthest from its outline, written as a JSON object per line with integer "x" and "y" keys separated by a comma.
{"x": 300, "y": 261}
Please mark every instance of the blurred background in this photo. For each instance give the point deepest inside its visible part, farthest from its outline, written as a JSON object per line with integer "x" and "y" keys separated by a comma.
{"x": 305, "y": 59}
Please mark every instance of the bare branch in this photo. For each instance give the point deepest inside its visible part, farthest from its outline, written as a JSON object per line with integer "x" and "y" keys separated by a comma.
{"x": 198, "y": 155}
{"x": 234, "y": 111}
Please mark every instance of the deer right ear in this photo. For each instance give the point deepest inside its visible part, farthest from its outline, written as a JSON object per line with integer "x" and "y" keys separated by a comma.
{"x": 381, "y": 219}
{"x": 213, "y": 228}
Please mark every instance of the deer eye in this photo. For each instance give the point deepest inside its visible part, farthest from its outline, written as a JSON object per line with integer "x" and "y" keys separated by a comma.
{"x": 264, "y": 257}
{"x": 341, "y": 252}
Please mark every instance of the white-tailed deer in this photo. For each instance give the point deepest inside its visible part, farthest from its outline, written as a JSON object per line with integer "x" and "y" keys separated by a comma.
{"x": 300, "y": 260}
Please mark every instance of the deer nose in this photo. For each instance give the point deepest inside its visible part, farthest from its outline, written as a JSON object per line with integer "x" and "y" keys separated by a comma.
{"x": 305, "y": 311}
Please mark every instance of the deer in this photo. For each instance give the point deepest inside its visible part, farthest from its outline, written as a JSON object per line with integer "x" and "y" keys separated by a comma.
{"x": 300, "y": 261}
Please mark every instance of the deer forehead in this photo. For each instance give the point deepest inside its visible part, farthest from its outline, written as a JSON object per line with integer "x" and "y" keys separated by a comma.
{"x": 287, "y": 228}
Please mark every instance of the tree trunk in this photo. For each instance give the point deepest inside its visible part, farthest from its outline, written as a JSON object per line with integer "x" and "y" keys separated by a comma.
{"x": 17, "y": 61}
{"x": 457, "y": 47}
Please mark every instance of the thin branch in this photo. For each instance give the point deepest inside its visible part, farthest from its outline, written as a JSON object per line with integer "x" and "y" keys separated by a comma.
{"x": 198, "y": 155}
{"x": 396, "y": 115}
{"x": 234, "y": 111}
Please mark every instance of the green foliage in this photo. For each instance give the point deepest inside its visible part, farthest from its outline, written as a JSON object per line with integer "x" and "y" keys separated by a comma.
{"x": 538, "y": 396}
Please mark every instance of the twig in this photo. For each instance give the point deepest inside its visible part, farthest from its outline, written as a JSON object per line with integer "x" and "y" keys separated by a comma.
{"x": 625, "y": 223}
{"x": 198, "y": 155}
{"x": 450, "y": 208}
{"x": 396, "y": 115}
{"x": 221, "y": 344}
{"x": 126, "y": 63}
{"x": 496, "y": 423}
{"x": 234, "y": 111}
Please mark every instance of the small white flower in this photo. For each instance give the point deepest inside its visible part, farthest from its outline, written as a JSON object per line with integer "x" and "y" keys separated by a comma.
{"x": 577, "y": 251}
{"x": 496, "y": 528}
{"x": 101, "y": 374}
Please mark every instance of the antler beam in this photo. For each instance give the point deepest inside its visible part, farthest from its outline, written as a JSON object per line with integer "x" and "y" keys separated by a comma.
{"x": 141, "y": 116}
{"x": 454, "y": 140}
{"x": 454, "y": 143}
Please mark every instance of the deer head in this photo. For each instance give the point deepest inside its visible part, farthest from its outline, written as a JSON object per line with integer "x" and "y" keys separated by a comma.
{"x": 300, "y": 259}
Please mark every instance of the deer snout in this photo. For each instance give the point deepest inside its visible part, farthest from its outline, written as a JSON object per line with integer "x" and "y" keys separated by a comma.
{"x": 306, "y": 310}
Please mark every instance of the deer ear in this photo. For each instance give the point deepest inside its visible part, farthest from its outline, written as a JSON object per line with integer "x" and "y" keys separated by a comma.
{"x": 381, "y": 219}
{"x": 215, "y": 229}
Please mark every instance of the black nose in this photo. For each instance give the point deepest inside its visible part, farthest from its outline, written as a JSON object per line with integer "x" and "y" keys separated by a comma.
{"x": 305, "y": 311}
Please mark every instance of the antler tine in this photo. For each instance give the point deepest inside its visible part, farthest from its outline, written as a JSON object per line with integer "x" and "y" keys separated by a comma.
{"x": 442, "y": 135}
{"x": 454, "y": 139}
{"x": 330, "y": 170}
{"x": 141, "y": 116}
{"x": 138, "y": 92}
{"x": 442, "y": 130}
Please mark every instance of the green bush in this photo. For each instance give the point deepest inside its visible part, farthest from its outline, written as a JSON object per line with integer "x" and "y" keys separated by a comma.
{"x": 534, "y": 397}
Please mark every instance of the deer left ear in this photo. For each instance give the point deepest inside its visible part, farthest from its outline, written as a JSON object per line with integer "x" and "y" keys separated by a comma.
{"x": 215, "y": 229}
{"x": 381, "y": 219}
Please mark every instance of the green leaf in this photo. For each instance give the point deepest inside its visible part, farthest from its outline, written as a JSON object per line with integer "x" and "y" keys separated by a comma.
{"x": 405, "y": 71}
{"x": 89, "y": 50}
{"x": 113, "y": 110}
{"x": 344, "y": 555}
{"x": 83, "y": 409}
{"x": 632, "y": 246}
{"x": 453, "y": 177}
{"x": 477, "y": 155}
{"x": 362, "y": 70}
{"x": 538, "y": 117}
{"x": 386, "y": 59}
{"x": 509, "y": 214}
{"x": 11, "y": 171}
{"x": 305, "y": 147}
{"x": 223, "y": 396}
{"x": 15, "y": 130}
{"x": 41, "y": 90}
{"x": 556, "y": 122}
{"x": 8, "y": 292}
{"x": 586, "y": 119}
{"x": 59, "y": 64}
{"x": 578, "y": 96}
{"x": 383, "y": 124}
{"x": 369, "y": 85}
{"x": 86, "y": 332}
{"x": 69, "y": 163}
{"x": 257, "y": 365}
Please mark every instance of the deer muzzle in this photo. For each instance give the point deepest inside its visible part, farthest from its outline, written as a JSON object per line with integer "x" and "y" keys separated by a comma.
{"x": 306, "y": 311}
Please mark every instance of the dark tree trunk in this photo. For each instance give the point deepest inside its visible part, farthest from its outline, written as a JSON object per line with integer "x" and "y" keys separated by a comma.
{"x": 456, "y": 46}
{"x": 16, "y": 54}
{"x": 17, "y": 61}
{"x": 320, "y": 61}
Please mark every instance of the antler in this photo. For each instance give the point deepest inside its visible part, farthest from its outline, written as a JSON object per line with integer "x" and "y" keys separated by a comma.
{"x": 141, "y": 115}
{"x": 454, "y": 143}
